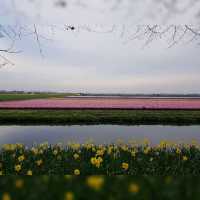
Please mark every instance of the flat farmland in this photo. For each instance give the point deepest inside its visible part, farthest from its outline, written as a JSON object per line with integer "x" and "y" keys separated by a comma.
{"x": 105, "y": 103}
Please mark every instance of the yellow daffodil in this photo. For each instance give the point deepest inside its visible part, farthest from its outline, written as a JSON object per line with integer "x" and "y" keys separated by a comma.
{"x": 9, "y": 147}
{"x": 133, "y": 154}
{"x": 100, "y": 152}
{"x": 93, "y": 160}
{"x": 35, "y": 151}
{"x": 134, "y": 188}
{"x": 75, "y": 146}
{"x": 18, "y": 168}
{"x": 110, "y": 150}
{"x": 21, "y": 158}
{"x": 76, "y": 156}
{"x": 96, "y": 161}
{"x": 69, "y": 196}
{"x": 19, "y": 146}
{"x": 77, "y": 172}
{"x": 185, "y": 158}
{"x": 95, "y": 182}
{"x": 89, "y": 146}
{"x": 19, "y": 183}
{"x": 55, "y": 152}
{"x": 6, "y": 196}
{"x": 125, "y": 166}
{"x": 124, "y": 147}
{"x": 41, "y": 151}
{"x": 29, "y": 173}
{"x": 39, "y": 163}
{"x": 178, "y": 151}
{"x": 147, "y": 150}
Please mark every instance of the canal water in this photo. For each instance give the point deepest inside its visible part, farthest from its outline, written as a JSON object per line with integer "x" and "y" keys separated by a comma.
{"x": 100, "y": 134}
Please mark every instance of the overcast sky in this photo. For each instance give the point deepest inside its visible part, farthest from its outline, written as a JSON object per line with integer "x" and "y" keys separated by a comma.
{"x": 99, "y": 55}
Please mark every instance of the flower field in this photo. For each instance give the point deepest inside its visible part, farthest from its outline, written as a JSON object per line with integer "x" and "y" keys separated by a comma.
{"x": 99, "y": 187}
{"x": 87, "y": 159}
{"x": 102, "y": 103}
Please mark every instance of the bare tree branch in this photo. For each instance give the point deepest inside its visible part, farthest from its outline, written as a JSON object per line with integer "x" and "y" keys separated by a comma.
{"x": 172, "y": 34}
{"x": 38, "y": 40}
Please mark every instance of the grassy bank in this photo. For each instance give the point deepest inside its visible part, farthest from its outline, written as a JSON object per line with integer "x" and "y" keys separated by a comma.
{"x": 130, "y": 117}
{"x": 99, "y": 187}
{"x": 88, "y": 159}
{"x": 25, "y": 96}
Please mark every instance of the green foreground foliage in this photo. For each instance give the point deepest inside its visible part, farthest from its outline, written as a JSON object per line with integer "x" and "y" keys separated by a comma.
{"x": 99, "y": 187}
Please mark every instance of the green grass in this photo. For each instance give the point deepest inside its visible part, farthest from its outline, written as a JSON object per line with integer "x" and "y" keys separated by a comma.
{"x": 129, "y": 117}
{"x": 20, "y": 96}
{"x": 112, "y": 188}
{"x": 88, "y": 159}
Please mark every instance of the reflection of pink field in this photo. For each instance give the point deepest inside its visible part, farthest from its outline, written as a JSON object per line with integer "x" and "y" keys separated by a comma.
{"x": 103, "y": 103}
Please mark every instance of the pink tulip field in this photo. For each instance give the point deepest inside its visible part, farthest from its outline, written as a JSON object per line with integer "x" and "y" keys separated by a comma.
{"x": 102, "y": 103}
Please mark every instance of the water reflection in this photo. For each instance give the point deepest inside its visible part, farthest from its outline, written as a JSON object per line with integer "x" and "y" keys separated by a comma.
{"x": 99, "y": 133}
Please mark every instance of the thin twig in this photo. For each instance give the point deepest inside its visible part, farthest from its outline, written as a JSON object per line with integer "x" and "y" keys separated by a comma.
{"x": 38, "y": 40}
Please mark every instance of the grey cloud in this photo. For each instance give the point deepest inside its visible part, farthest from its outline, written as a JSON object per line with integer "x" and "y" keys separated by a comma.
{"x": 94, "y": 62}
